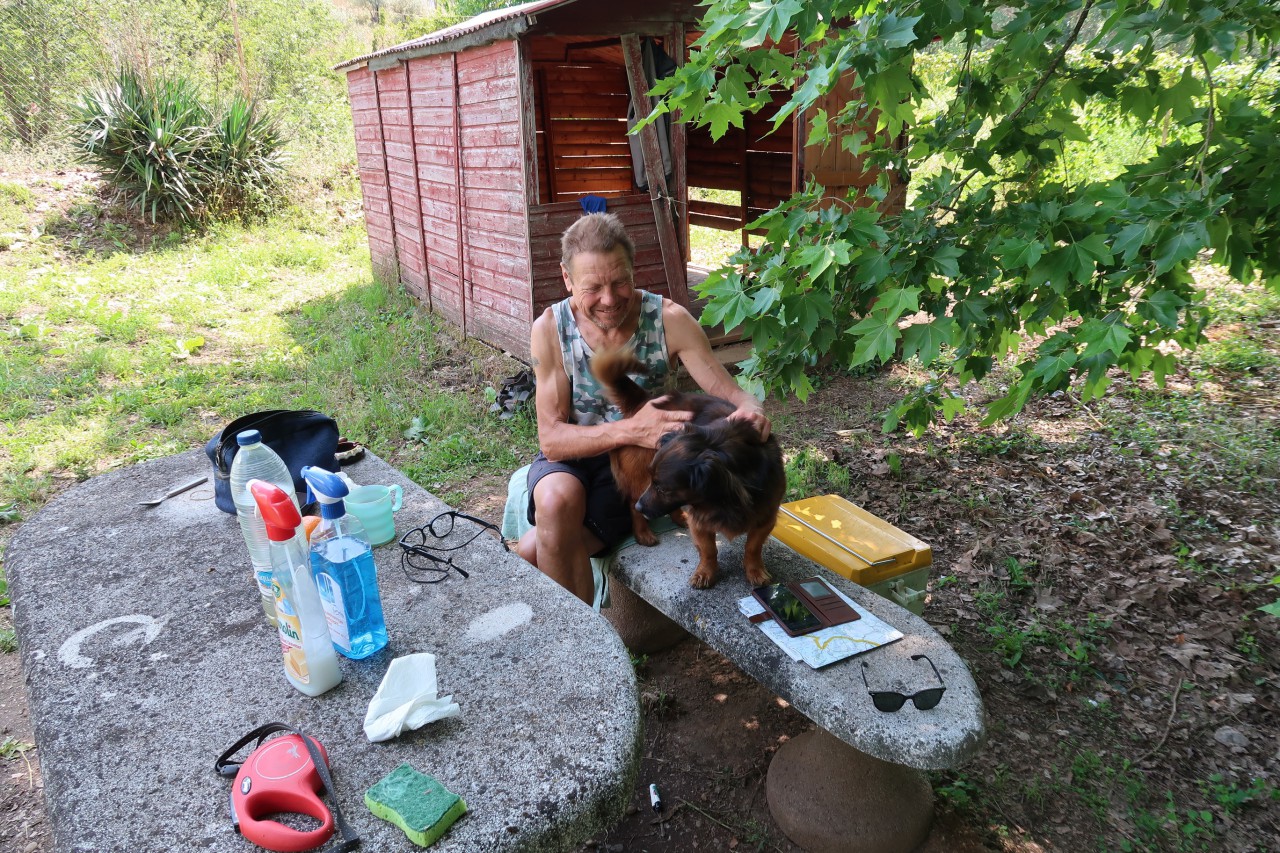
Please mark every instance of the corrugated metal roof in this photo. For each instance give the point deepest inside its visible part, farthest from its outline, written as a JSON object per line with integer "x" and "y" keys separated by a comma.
{"x": 471, "y": 25}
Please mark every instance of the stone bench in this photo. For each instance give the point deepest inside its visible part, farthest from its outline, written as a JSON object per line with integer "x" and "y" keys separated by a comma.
{"x": 146, "y": 654}
{"x": 853, "y": 784}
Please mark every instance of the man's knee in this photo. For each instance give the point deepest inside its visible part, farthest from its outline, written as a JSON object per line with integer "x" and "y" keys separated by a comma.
{"x": 559, "y": 499}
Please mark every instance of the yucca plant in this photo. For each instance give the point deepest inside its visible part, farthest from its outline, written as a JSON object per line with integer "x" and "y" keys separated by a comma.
{"x": 152, "y": 142}
{"x": 249, "y": 159}
{"x": 159, "y": 146}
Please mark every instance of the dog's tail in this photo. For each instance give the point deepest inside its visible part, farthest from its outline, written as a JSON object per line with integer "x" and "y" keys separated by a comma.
{"x": 610, "y": 367}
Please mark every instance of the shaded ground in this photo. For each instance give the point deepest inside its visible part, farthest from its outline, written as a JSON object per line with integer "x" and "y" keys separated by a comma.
{"x": 1099, "y": 567}
{"x": 1100, "y": 581}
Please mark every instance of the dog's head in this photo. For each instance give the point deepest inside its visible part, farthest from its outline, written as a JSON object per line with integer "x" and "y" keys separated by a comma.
{"x": 691, "y": 467}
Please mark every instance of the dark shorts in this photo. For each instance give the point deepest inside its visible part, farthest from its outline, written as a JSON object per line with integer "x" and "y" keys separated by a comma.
{"x": 608, "y": 514}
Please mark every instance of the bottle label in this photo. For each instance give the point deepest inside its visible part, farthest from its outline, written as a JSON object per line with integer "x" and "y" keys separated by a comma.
{"x": 335, "y": 611}
{"x": 295, "y": 659}
{"x": 265, "y": 581}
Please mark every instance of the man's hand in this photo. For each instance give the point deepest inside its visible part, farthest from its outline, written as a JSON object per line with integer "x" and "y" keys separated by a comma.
{"x": 652, "y": 423}
{"x": 751, "y": 414}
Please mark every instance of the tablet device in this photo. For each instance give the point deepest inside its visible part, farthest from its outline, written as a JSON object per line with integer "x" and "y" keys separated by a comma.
{"x": 787, "y": 609}
{"x": 804, "y": 606}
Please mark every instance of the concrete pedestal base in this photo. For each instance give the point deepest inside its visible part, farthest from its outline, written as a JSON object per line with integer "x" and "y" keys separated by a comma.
{"x": 643, "y": 629}
{"x": 830, "y": 798}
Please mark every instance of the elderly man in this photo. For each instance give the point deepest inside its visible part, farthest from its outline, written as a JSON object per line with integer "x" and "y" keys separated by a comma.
{"x": 574, "y": 506}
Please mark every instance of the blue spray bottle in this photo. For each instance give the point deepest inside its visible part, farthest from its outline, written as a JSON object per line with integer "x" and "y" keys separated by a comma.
{"x": 342, "y": 562}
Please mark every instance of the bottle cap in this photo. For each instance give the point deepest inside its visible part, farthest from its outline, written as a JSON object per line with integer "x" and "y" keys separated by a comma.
{"x": 247, "y": 437}
{"x": 326, "y": 488}
{"x": 277, "y": 509}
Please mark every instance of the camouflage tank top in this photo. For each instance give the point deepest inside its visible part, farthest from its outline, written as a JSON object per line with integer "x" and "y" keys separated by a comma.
{"x": 649, "y": 344}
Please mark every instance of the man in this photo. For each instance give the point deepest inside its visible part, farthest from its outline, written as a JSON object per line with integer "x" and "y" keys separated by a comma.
{"x": 576, "y": 511}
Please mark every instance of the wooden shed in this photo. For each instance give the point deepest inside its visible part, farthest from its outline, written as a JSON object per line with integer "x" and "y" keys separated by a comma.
{"x": 478, "y": 143}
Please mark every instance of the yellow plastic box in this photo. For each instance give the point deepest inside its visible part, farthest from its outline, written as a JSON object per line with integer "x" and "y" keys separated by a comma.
{"x": 855, "y": 544}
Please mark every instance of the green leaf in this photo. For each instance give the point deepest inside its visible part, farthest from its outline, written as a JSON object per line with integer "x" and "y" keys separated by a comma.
{"x": 769, "y": 20}
{"x": 1015, "y": 253}
{"x": 952, "y": 406}
{"x": 1053, "y": 368}
{"x": 1101, "y": 336}
{"x": 895, "y": 31}
{"x": 877, "y": 338}
{"x": 720, "y": 115}
{"x": 925, "y": 340}
{"x": 972, "y": 311}
{"x": 819, "y": 131}
{"x": 1181, "y": 244}
{"x": 1162, "y": 307}
{"x": 943, "y": 261}
{"x": 898, "y": 301}
{"x": 1130, "y": 239}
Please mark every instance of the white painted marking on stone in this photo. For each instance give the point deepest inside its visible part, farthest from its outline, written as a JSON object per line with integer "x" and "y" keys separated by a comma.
{"x": 148, "y": 630}
{"x": 495, "y": 623}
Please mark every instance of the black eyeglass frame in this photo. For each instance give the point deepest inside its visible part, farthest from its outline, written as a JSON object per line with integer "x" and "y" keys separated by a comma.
{"x": 413, "y": 550}
{"x": 889, "y": 701}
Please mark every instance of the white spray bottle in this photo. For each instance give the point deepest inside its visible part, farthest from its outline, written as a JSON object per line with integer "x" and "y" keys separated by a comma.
{"x": 310, "y": 663}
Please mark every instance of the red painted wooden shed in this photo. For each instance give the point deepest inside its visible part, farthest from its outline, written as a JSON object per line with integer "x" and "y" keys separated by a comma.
{"x": 476, "y": 145}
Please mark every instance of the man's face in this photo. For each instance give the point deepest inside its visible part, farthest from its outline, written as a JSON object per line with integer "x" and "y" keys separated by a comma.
{"x": 601, "y": 287}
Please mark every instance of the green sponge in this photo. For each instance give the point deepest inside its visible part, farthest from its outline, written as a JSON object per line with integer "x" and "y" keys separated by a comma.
{"x": 416, "y": 803}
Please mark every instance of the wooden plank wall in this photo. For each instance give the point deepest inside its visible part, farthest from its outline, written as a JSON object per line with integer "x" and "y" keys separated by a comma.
{"x": 373, "y": 176}
{"x": 547, "y": 222}
{"x": 431, "y": 94}
{"x": 750, "y": 160}
{"x": 495, "y": 226}
{"x": 581, "y": 123}
{"x": 465, "y": 253}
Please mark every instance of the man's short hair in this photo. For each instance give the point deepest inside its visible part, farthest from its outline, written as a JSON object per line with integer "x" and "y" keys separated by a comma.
{"x": 596, "y": 233}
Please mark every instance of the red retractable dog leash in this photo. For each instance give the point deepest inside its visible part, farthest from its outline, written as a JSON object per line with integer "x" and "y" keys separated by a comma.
{"x": 283, "y": 775}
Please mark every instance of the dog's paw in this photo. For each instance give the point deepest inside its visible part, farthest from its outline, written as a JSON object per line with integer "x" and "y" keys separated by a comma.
{"x": 646, "y": 537}
{"x": 757, "y": 576}
{"x": 703, "y": 578}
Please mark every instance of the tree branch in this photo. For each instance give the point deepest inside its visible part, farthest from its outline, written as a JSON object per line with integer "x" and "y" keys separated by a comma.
{"x": 1034, "y": 93}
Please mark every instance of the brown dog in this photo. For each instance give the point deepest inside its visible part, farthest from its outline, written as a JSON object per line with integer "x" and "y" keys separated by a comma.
{"x": 726, "y": 479}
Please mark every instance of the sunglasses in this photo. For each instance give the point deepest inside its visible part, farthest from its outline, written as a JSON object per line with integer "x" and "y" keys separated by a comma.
{"x": 420, "y": 547}
{"x": 891, "y": 700}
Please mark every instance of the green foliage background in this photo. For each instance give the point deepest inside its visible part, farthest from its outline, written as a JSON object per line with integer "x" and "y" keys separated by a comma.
{"x": 1069, "y": 160}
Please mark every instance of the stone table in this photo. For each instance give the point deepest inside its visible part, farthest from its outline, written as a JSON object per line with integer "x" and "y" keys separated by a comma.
{"x": 146, "y": 654}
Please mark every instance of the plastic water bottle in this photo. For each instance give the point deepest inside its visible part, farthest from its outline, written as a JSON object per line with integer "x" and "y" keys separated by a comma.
{"x": 342, "y": 563}
{"x": 255, "y": 461}
{"x": 310, "y": 663}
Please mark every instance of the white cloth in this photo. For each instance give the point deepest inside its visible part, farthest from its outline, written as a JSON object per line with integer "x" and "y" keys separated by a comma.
{"x": 406, "y": 698}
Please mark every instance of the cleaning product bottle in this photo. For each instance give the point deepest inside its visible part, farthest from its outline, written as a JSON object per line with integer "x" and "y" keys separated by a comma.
{"x": 255, "y": 461}
{"x": 342, "y": 563}
{"x": 310, "y": 663}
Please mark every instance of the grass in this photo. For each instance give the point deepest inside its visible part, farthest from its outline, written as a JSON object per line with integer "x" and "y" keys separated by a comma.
{"x": 110, "y": 357}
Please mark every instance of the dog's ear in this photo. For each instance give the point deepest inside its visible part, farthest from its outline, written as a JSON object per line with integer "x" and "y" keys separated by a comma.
{"x": 711, "y": 475}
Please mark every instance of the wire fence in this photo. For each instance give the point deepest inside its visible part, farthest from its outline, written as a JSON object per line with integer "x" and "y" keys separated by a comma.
{"x": 49, "y": 49}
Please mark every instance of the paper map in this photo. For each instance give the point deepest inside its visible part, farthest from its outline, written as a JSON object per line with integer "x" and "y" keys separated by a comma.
{"x": 829, "y": 644}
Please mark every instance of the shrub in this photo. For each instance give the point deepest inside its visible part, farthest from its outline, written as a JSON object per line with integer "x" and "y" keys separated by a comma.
{"x": 249, "y": 155}
{"x": 159, "y": 146}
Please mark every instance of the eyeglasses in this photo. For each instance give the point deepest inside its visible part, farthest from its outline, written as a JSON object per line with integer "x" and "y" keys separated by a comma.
{"x": 891, "y": 700}
{"x": 419, "y": 547}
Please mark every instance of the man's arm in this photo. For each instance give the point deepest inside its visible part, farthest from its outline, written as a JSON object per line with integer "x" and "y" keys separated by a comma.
{"x": 558, "y": 436}
{"x": 687, "y": 341}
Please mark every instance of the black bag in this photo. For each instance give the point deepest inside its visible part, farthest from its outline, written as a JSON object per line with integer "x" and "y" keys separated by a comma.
{"x": 300, "y": 438}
